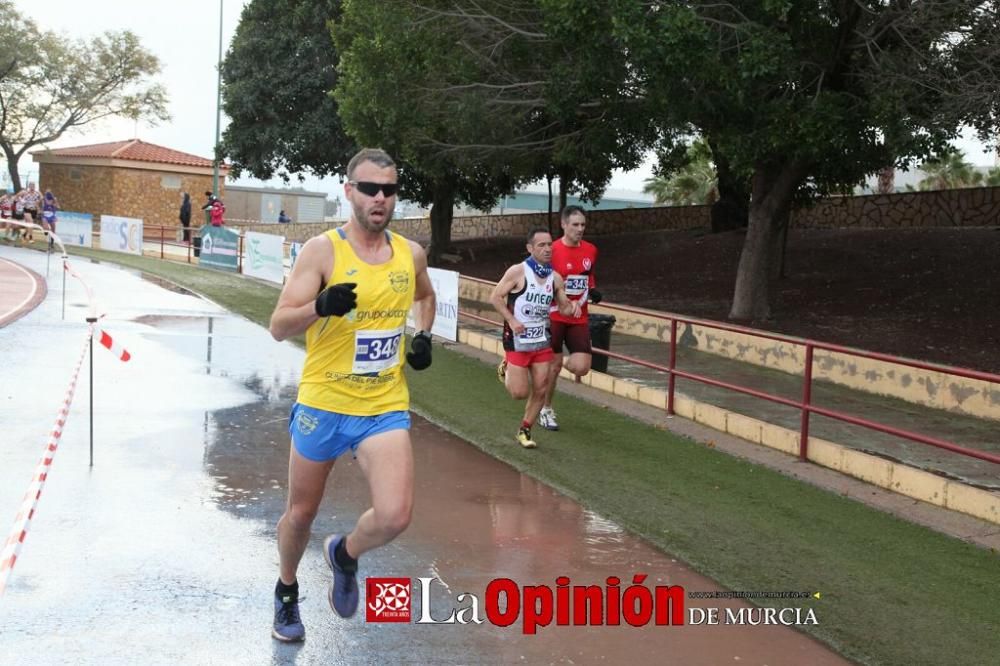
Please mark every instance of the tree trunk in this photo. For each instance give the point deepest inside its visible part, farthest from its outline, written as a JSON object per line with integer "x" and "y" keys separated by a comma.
{"x": 12, "y": 158}
{"x": 886, "y": 180}
{"x": 731, "y": 211}
{"x": 442, "y": 213}
{"x": 549, "y": 179}
{"x": 772, "y": 198}
{"x": 565, "y": 180}
{"x": 783, "y": 250}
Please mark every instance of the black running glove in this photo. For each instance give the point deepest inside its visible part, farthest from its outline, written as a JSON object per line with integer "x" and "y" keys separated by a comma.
{"x": 337, "y": 300}
{"x": 419, "y": 356}
{"x": 596, "y": 296}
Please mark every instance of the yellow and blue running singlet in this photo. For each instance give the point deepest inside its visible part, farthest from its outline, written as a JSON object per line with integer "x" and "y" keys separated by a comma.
{"x": 354, "y": 363}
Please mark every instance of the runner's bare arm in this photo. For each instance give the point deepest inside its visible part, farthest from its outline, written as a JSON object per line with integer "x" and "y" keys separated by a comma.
{"x": 424, "y": 298}
{"x": 511, "y": 281}
{"x": 567, "y": 308}
{"x": 296, "y": 307}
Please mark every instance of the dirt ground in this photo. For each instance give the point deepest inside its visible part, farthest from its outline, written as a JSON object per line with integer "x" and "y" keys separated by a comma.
{"x": 929, "y": 294}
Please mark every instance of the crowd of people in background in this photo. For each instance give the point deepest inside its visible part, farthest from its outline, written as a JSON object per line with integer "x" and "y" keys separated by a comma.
{"x": 31, "y": 207}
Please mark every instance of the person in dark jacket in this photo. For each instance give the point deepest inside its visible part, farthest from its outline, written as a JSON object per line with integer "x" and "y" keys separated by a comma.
{"x": 185, "y": 216}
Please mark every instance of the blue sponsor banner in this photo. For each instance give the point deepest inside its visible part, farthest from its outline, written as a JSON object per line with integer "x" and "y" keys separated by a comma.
{"x": 219, "y": 248}
{"x": 75, "y": 228}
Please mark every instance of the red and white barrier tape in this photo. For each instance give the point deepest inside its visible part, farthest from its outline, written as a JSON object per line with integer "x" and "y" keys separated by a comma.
{"x": 12, "y": 546}
{"x": 114, "y": 347}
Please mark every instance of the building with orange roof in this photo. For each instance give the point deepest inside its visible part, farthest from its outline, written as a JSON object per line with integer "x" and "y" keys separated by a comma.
{"x": 131, "y": 178}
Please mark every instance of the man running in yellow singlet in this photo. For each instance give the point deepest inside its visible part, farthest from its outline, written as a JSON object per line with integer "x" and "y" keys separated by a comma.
{"x": 349, "y": 292}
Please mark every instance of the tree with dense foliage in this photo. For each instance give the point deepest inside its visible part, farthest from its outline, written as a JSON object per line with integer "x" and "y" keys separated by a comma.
{"x": 805, "y": 99}
{"x": 50, "y": 85}
{"x": 381, "y": 93}
{"x": 475, "y": 111}
{"x": 277, "y": 77}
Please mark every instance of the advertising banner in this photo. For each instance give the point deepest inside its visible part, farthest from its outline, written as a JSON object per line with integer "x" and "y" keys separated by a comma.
{"x": 219, "y": 248}
{"x": 265, "y": 256}
{"x": 75, "y": 228}
{"x": 120, "y": 234}
{"x": 446, "y": 289}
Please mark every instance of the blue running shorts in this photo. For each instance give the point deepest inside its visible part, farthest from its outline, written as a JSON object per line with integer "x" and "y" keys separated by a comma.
{"x": 322, "y": 436}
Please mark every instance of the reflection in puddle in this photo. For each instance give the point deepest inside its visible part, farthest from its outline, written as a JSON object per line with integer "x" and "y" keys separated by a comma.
{"x": 231, "y": 347}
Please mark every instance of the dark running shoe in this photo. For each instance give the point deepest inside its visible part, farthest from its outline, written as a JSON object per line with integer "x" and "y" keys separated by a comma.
{"x": 343, "y": 594}
{"x": 288, "y": 626}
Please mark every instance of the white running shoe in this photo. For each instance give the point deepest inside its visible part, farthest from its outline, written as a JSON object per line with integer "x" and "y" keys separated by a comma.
{"x": 547, "y": 419}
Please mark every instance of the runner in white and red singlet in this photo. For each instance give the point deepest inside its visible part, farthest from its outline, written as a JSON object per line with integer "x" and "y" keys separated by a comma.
{"x": 523, "y": 297}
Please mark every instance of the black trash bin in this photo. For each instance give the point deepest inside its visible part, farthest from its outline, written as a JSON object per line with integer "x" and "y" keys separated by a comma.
{"x": 600, "y": 337}
{"x": 197, "y": 243}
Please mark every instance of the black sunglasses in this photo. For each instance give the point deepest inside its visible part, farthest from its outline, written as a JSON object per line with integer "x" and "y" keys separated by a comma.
{"x": 371, "y": 189}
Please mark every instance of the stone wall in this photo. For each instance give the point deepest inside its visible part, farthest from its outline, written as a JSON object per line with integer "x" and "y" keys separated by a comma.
{"x": 967, "y": 207}
{"x": 293, "y": 231}
{"x": 153, "y": 196}
{"x": 81, "y": 189}
{"x": 972, "y": 207}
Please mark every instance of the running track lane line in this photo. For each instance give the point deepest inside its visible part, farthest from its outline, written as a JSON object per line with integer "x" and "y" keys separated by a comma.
{"x": 13, "y": 286}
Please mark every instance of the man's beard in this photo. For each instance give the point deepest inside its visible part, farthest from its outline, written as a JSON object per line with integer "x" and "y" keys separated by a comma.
{"x": 366, "y": 224}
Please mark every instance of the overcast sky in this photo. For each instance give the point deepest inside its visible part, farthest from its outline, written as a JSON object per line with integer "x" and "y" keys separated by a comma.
{"x": 184, "y": 35}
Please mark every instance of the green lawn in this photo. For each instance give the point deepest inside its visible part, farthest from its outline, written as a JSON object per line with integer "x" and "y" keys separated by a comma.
{"x": 892, "y": 592}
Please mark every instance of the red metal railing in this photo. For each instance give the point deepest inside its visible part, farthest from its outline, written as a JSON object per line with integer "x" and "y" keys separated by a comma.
{"x": 805, "y": 404}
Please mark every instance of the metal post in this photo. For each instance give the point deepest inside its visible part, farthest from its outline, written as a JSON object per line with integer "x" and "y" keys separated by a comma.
{"x": 673, "y": 363}
{"x": 64, "y": 288}
{"x": 806, "y": 400}
{"x": 91, "y": 321}
{"x": 161, "y": 241}
{"x": 218, "y": 112}
{"x": 208, "y": 365}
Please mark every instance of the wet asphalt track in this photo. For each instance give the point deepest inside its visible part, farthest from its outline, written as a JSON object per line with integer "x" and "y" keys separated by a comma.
{"x": 164, "y": 551}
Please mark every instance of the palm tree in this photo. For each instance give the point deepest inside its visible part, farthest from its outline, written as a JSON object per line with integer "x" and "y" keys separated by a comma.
{"x": 992, "y": 178}
{"x": 949, "y": 171}
{"x": 693, "y": 184}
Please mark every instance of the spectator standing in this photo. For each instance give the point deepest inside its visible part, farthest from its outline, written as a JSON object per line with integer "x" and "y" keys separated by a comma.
{"x": 185, "y": 216}
{"x": 216, "y": 212}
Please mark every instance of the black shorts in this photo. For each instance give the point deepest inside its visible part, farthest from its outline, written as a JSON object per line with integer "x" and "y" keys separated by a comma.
{"x": 33, "y": 212}
{"x": 575, "y": 336}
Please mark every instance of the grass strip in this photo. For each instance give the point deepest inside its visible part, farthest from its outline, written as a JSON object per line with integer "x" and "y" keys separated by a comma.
{"x": 892, "y": 592}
